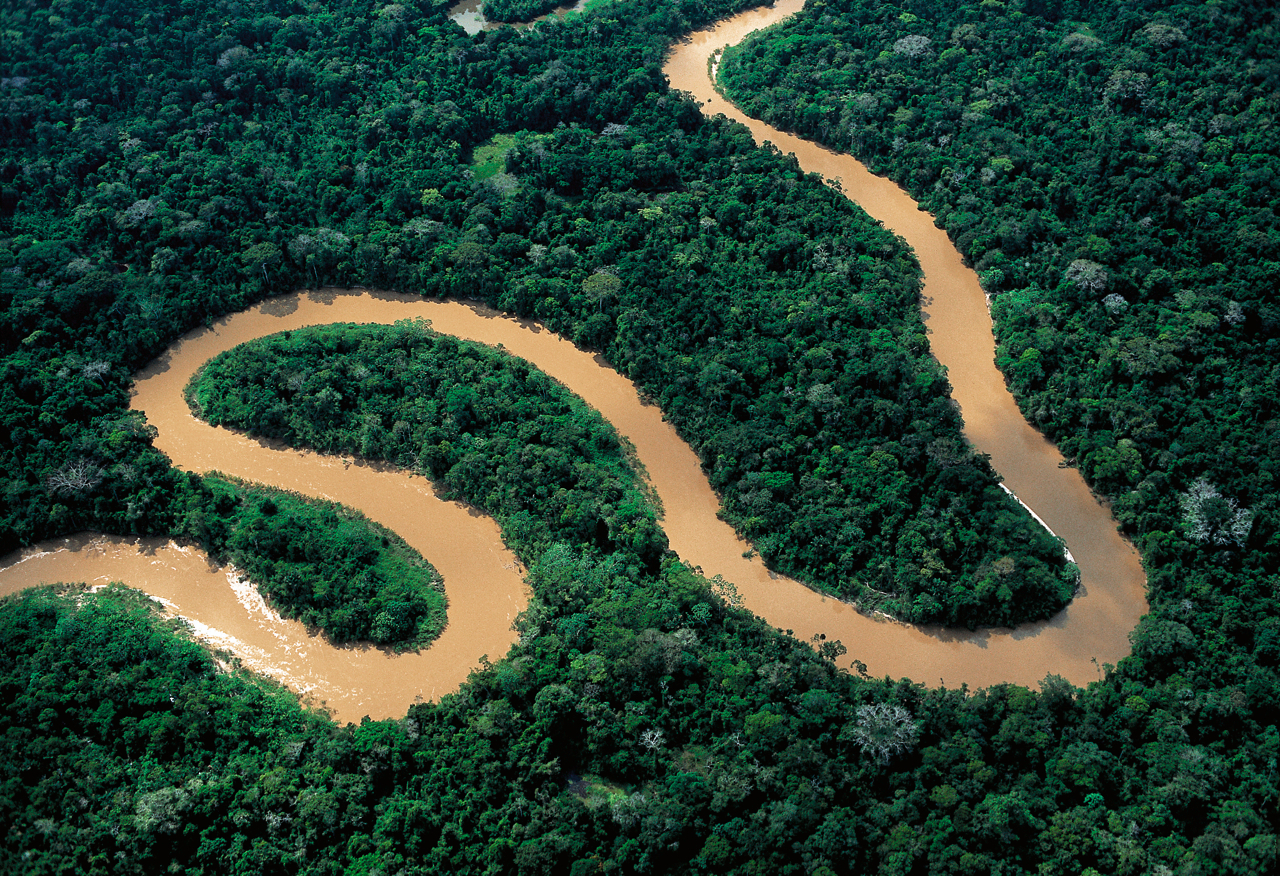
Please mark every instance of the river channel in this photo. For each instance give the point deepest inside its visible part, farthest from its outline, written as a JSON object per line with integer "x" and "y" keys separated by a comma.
{"x": 484, "y": 584}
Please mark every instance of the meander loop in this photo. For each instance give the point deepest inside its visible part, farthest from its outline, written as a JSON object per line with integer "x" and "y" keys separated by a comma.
{"x": 483, "y": 580}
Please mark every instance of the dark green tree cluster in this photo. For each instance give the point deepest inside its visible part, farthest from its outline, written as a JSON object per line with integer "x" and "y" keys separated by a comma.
{"x": 776, "y": 325}
{"x": 82, "y": 460}
{"x": 75, "y": 456}
{"x": 1108, "y": 169}
{"x": 640, "y": 725}
{"x": 320, "y": 563}
{"x": 818, "y": 411}
{"x": 486, "y": 428}
{"x": 134, "y": 738}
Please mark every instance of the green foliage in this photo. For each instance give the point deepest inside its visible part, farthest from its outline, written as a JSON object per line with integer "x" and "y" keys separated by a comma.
{"x": 761, "y": 748}
{"x": 793, "y": 360}
{"x": 490, "y": 158}
{"x": 486, "y": 428}
{"x": 519, "y": 10}
{"x": 1115, "y": 195}
{"x": 158, "y": 168}
{"x": 1106, "y": 170}
{"x": 154, "y": 739}
{"x": 321, "y": 563}
{"x": 776, "y": 326}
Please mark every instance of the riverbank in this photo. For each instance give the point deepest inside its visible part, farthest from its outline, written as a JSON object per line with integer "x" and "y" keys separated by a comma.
{"x": 483, "y": 583}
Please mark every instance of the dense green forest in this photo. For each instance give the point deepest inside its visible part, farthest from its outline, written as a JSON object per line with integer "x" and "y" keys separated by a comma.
{"x": 487, "y": 429}
{"x": 1110, "y": 172}
{"x": 165, "y": 164}
{"x": 519, "y": 10}
{"x": 818, "y": 411}
{"x": 318, "y": 562}
{"x": 775, "y": 324}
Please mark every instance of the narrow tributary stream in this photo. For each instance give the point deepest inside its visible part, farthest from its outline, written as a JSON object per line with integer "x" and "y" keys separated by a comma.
{"x": 482, "y": 579}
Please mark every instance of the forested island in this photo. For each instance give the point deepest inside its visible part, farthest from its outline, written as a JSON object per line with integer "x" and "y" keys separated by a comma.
{"x": 485, "y": 428}
{"x": 164, "y": 165}
{"x": 321, "y": 564}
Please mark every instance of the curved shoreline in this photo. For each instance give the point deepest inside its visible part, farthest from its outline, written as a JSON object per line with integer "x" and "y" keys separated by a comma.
{"x": 954, "y": 307}
{"x": 483, "y": 582}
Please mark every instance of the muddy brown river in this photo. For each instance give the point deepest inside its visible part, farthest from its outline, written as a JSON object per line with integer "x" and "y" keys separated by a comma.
{"x": 484, "y": 584}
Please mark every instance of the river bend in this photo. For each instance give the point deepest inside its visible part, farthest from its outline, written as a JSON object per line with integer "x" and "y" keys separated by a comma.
{"x": 483, "y": 581}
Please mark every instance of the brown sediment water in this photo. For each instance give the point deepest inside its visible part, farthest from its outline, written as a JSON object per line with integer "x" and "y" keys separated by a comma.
{"x": 1094, "y": 628}
{"x": 226, "y": 611}
{"x": 483, "y": 582}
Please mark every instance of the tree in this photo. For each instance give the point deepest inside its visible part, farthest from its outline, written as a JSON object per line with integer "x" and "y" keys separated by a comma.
{"x": 260, "y": 256}
{"x": 1211, "y": 518}
{"x": 652, "y": 739}
{"x": 601, "y": 286}
{"x": 883, "y": 730}
{"x": 1089, "y": 276}
{"x": 320, "y": 250}
{"x": 75, "y": 478}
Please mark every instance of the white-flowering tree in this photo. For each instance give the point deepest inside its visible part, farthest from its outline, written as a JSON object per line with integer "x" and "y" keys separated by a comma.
{"x": 913, "y": 46}
{"x": 652, "y": 739}
{"x": 137, "y": 212}
{"x": 95, "y": 370}
{"x": 75, "y": 478}
{"x": 1211, "y": 518}
{"x": 1161, "y": 35}
{"x": 1126, "y": 89}
{"x": 885, "y": 729}
{"x": 1090, "y": 276}
{"x": 1115, "y": 303}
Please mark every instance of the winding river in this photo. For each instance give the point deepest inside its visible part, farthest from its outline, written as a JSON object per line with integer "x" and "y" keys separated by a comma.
{"x": 483, "y": 581}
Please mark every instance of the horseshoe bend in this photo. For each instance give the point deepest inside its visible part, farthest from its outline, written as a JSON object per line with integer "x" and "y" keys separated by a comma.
{"x": 484, "y": 582}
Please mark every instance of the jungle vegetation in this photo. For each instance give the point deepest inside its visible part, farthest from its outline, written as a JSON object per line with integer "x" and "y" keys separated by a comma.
{"x": 486, "y": 428}
{"x": 162, "y": 164}
{"x": 519, "y": 10}
{"x": 319, "y": 562}
{"x": 776, "y": 325}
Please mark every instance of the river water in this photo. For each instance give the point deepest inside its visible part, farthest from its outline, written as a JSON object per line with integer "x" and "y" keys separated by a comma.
{"x": 1095, "y": 626}
{"x": 483, "y": 581}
